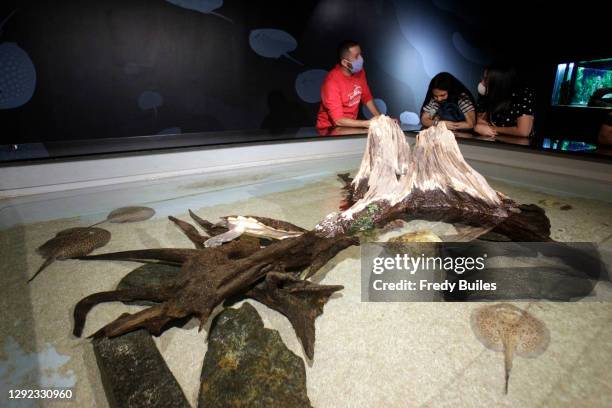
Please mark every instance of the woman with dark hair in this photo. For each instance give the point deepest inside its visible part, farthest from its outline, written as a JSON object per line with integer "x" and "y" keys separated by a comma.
{"x": 504, "y": 106}
{"x": 448, "y": 101}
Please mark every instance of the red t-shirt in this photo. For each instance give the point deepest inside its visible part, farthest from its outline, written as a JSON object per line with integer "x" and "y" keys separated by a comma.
{"x": 340, "y": 96}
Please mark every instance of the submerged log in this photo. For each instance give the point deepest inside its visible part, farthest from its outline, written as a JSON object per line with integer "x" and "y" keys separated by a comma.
{"x": 299, "y": 300}
{"x": 210, "y": 275}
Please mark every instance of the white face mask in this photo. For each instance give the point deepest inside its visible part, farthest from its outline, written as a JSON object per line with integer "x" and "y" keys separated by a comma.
{"x": 482, "y": 89}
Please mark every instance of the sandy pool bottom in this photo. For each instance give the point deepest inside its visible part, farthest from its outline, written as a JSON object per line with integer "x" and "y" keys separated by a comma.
{"x": 366, "y": 354}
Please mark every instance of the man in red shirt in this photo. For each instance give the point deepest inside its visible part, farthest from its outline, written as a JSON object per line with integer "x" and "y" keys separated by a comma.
{"x": 345, "y": 86}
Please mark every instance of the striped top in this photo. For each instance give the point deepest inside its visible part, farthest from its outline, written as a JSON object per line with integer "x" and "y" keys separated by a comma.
{"x": 464, "y": 103}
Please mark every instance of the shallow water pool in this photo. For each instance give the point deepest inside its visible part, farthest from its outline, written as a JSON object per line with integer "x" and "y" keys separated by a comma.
{"x": 366, "y": 354}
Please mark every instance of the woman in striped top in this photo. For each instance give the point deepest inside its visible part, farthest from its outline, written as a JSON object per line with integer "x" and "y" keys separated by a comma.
{"x": 448, "y": 101}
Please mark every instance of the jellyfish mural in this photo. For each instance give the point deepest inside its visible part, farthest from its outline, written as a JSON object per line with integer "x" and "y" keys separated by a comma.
{"x": 228, "y": 115}
{"x": 150, "y": 100}
{"x": 380, "y": 104}
{"x": 458, "y": 10}
{"x": 468, "y": 51}
{"x": 17, "y": 74}
{"x": 409, "y": 118}
{"x": 436, "y": 46}
{"x": 308, "y": 85}
{"x": 273, "y": 43}
{"x": 202, "y": 6}
{"x": 428, "y": 42}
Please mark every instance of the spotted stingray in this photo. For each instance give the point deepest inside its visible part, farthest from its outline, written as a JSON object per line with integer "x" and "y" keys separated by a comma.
{"x": 70, "y": 243}
{"x": 513, "y": 331}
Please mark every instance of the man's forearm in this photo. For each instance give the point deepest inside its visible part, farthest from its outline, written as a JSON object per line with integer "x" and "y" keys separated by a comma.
{"x": 347, "y": 122}
{"x": 372, "y": 107}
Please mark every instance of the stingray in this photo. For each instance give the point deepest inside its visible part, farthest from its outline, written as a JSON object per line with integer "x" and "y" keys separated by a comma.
{"x": 508, "y": 329}
{"x": 254, "y": 226}
{"x": 128, "y": 214}
{"x": 70, "y": 243}
{"x": 416, "y": 236}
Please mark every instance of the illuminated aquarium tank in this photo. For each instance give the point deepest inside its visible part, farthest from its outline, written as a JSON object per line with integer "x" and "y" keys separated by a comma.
{"x": 585, "y": 83}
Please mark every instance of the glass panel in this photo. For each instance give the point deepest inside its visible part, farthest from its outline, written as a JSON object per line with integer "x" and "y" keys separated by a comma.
{"x": 588, "y": 85}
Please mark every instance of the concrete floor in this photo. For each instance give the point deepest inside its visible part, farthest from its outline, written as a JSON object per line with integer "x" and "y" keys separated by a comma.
{"x": 366, "y": 354}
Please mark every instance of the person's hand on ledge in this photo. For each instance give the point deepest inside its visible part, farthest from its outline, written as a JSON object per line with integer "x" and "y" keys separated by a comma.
{"x": 451, "y": 125}
{"x": 523, "y": 128}
{"x": 485, "y": 130}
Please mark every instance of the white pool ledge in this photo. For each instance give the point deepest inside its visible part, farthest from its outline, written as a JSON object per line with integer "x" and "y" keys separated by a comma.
{"x": 545, "y": 172}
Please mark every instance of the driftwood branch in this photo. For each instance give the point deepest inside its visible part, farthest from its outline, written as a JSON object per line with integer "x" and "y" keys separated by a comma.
{"x": 210, "y": 275}
{"x": 299, "y": 300}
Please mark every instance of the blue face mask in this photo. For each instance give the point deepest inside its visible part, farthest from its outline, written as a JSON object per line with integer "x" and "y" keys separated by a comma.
{"x": 357, "y": 65}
